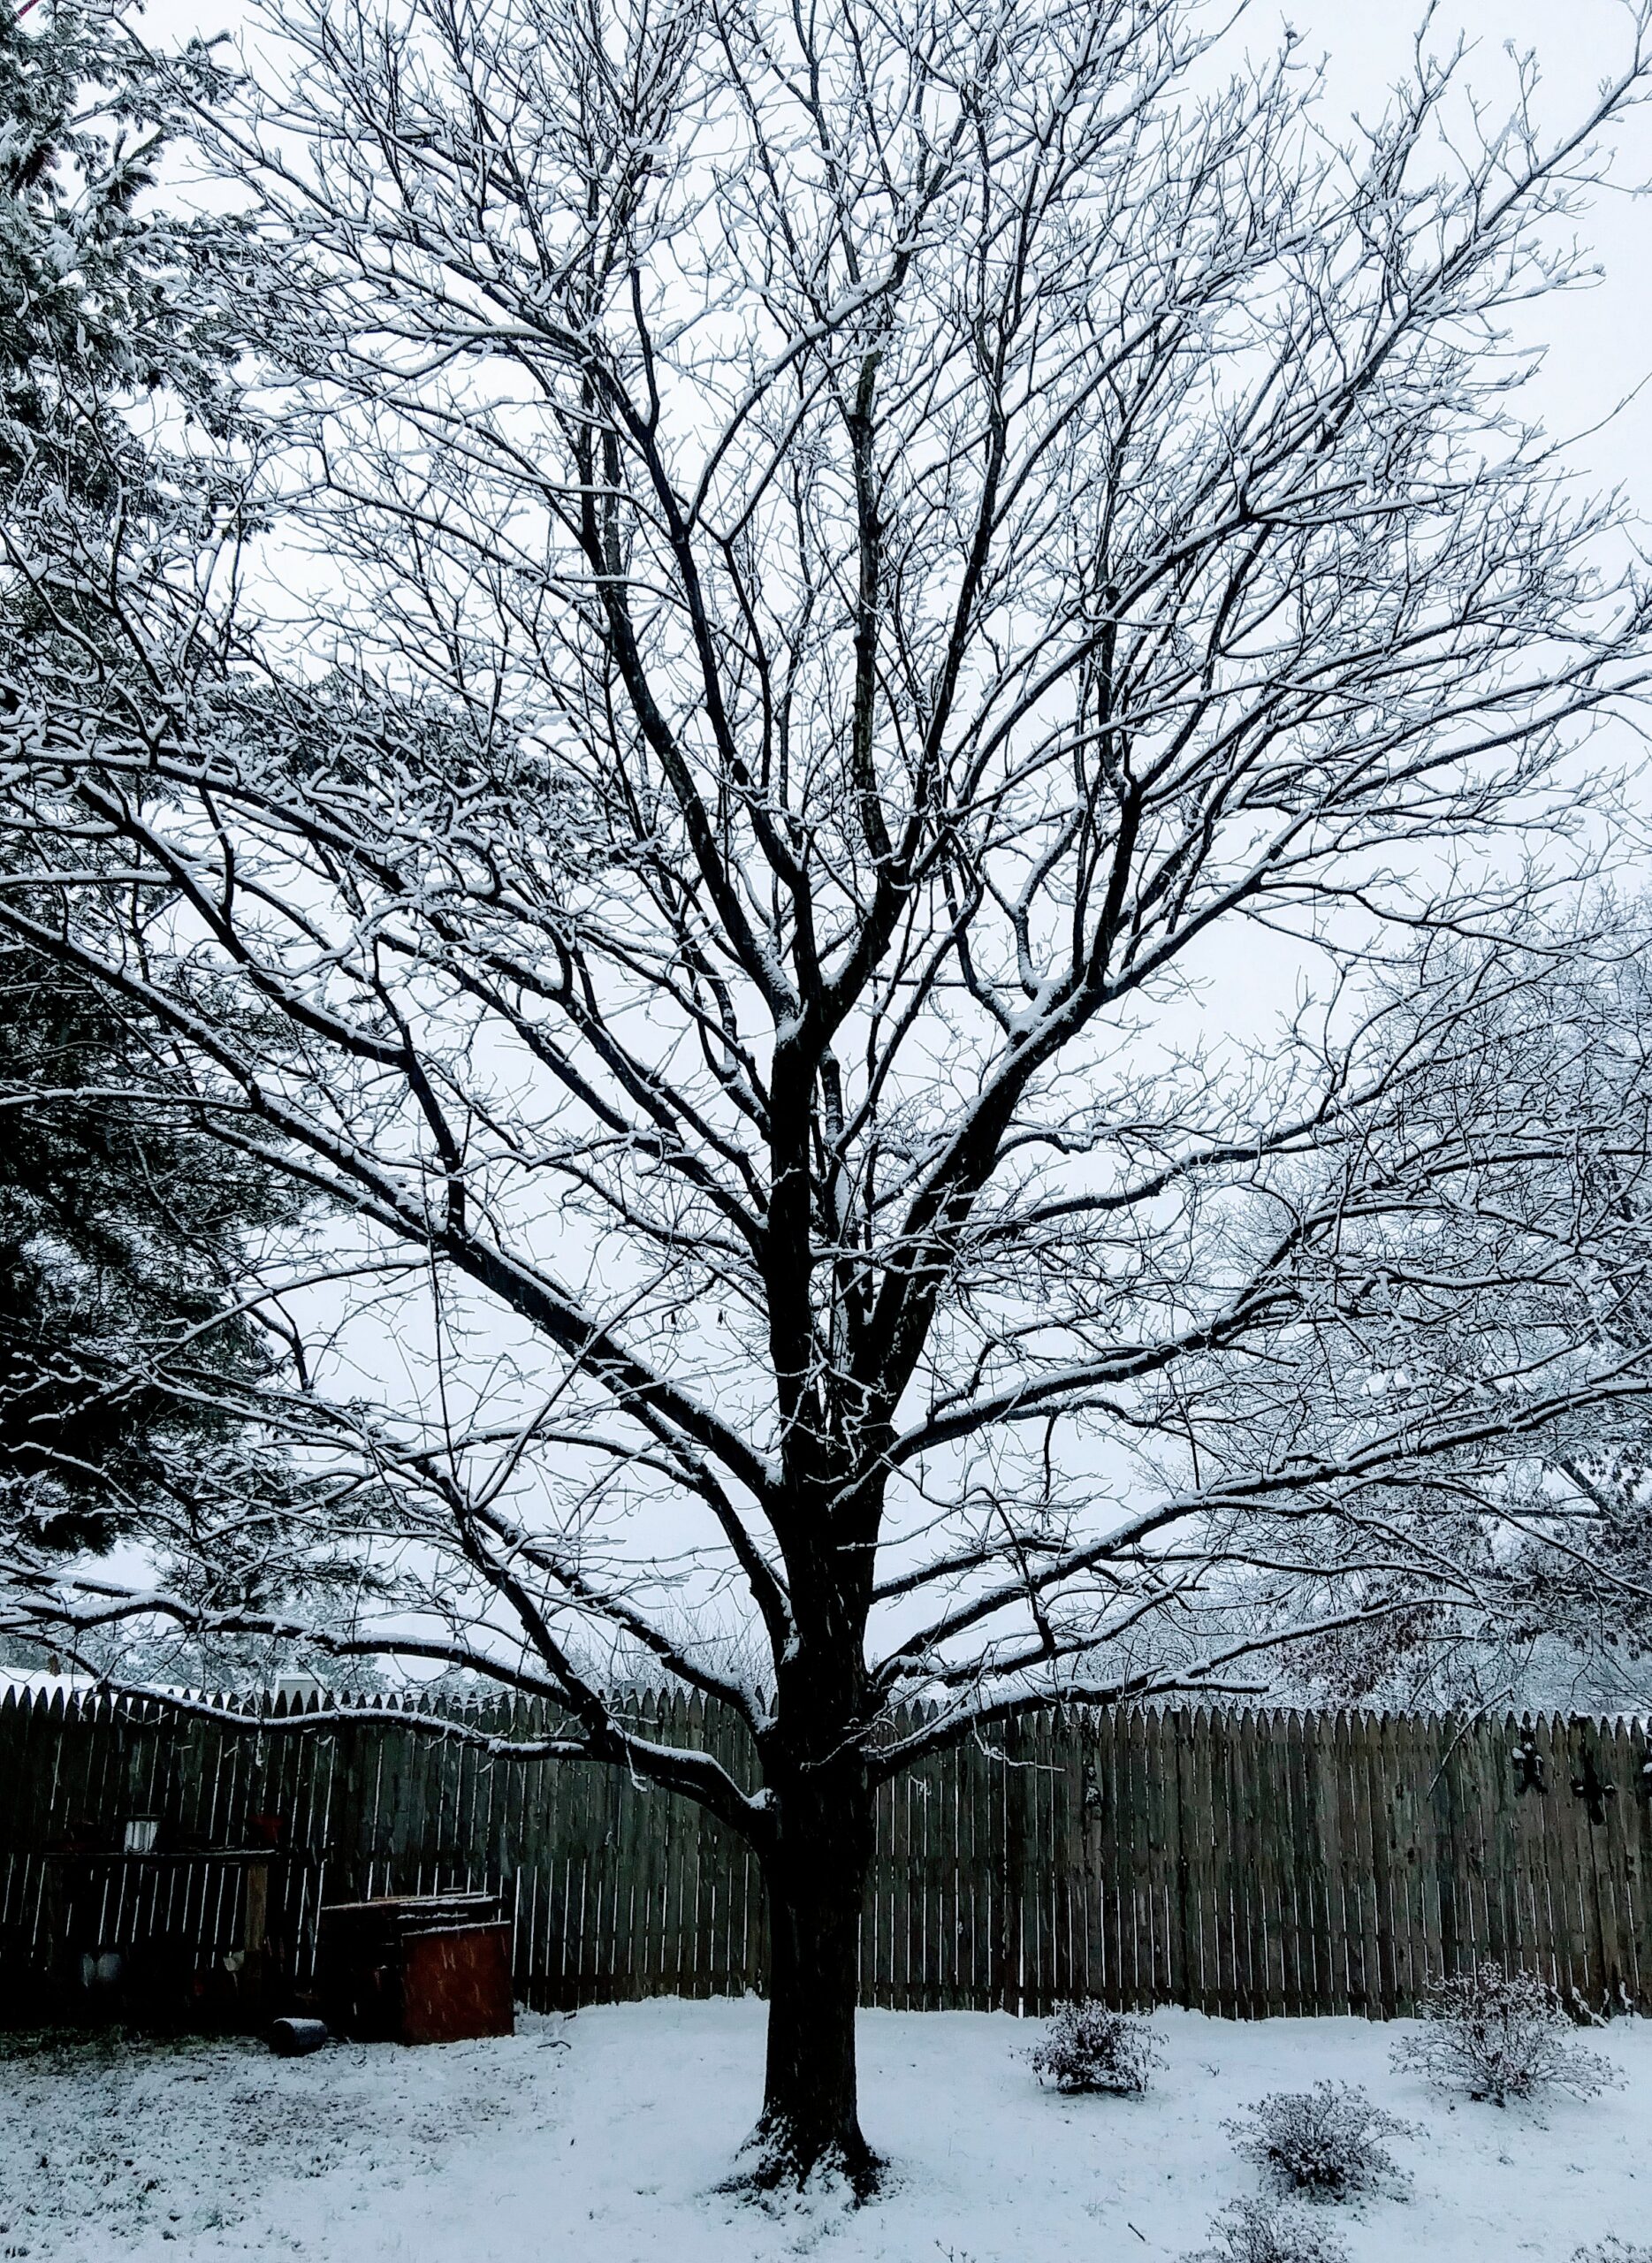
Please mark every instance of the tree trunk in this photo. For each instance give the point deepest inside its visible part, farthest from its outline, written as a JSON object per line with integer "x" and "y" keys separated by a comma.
{"x": 815, "y": 1870}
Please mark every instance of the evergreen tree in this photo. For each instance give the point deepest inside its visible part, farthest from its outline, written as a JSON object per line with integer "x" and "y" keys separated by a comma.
{"x": 125, "y": 1225}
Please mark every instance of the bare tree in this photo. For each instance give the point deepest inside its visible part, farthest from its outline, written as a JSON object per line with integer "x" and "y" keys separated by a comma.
{"x": 864, "y": 584}
{"x": 1537, "y": 1070}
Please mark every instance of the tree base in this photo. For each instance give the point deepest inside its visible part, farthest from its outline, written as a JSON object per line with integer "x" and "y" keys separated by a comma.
{"x": 778, "y": 2164}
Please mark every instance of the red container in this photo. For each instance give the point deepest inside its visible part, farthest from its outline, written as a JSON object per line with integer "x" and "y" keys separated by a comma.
{"x": 415, "y": 1969}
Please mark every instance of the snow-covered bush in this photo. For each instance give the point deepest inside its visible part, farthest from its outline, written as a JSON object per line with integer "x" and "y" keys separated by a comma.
{"x": 1087, "y": 2047}
{"x": 1612, "y": 2249}
{"x": 1262, "y": 2231}
{"x": 1499, "y": 2034}
{"x": 1325, "y": 2143}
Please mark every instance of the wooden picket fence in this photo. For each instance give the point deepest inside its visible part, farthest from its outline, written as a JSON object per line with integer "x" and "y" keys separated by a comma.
{"x": 1249, "y": 1863}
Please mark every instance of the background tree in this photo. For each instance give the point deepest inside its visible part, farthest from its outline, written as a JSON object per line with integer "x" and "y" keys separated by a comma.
{"x": 868, "y": 598}
{"x": 1556, "y": 1544}
{"x": 123, "y": 1234}
{"x": 124, "y": 1225}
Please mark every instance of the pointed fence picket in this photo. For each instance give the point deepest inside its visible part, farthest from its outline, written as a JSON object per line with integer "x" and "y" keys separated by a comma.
{"x": 1249, "y": 1863}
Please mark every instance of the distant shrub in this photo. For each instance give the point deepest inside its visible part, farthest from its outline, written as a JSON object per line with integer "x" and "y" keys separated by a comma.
{"x": 1612, "y": 2249}
{"x": 1087, "y": 2047}
{"x": 1263, "y": 2231}
{"x": 1499, "y": 2034}
{"x": 1325, "y": 2143}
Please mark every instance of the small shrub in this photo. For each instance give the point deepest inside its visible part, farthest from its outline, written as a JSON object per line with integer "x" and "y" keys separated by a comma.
{"x": 1612, "y": 2249}
{"x": 1262, "y": 2231}
{"x": 1499, "y": 2034}
{"x": 1325, "y": 2143}
{"x": 1087, "y": 2047}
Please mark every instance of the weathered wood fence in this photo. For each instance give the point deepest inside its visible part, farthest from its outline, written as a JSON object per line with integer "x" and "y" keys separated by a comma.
{"x": 1245, "y": 1862}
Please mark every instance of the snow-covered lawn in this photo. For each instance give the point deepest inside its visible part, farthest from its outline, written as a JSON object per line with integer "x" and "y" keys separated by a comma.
{"x": 602, "y": 2138}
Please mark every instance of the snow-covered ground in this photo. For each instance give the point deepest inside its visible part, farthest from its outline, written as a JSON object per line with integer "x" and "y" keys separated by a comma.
{"x": 603, "y": 2138}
